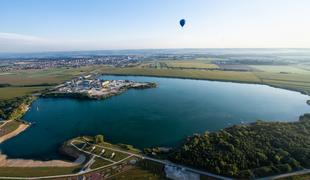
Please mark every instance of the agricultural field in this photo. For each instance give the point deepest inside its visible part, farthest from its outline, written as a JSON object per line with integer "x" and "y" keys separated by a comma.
{"x": 288, "y": 77}
{"x": 194, "y": 64}
{"x": 30, "y": 81}
{"x": 295, "y": 77}
{"x": 42, "y": 76}
{"x": 234, "y": 76}
{"x": 281, "y": 69}
{"x": 11, "y": 92}
{"x": 179, "y": 64}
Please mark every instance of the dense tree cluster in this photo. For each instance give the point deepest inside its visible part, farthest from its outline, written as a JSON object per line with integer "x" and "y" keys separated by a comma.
{"x": 99, "y": 139}
{"x": 10, "y": 106}
{"x": 247, "y": 151}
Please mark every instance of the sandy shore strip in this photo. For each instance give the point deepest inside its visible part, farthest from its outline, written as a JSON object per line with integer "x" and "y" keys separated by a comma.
{"x": 4, "y": 162}
{"x": 20, "y": 129}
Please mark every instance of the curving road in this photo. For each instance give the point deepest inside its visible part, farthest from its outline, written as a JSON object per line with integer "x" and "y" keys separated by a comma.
{"x": 165, "y": 162}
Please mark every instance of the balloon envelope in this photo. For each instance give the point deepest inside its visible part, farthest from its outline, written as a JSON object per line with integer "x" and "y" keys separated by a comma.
{"x": 182, "y": 22}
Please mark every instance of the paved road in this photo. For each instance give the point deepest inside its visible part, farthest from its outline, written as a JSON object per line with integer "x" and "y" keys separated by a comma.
{"x": 165, "y": 162}
{"x": 302, "y": 172}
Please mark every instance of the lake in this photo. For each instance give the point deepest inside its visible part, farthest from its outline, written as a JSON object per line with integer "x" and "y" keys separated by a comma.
{"x": 161, "y": 116}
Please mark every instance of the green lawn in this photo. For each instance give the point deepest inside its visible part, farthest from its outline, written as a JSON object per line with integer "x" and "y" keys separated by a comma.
{"x": 118, "y": 156}
{"x": 107, "y": 154}
{"x": 99, "y": 163}
{"x": 97, "y": 150}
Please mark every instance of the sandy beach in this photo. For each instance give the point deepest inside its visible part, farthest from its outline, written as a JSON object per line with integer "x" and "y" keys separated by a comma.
{"x": 20, "y": 129}
{"x": 5, "y": 162}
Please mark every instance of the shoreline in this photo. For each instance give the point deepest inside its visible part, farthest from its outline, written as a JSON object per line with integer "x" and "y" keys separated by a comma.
{"x": 65, "y": 95}
{"x": 61, "y": 163}
{"x": 24, "y": 124}
{"x": 18, "y": 131}
{"x": 22, "y": 127}
{"x": 20, "y": 162}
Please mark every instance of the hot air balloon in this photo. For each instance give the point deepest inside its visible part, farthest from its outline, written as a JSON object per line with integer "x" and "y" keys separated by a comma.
{"x": 182, "y": 22}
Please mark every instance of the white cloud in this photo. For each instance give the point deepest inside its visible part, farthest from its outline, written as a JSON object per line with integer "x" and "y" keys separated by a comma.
{"x": 12, "y": 42}
{"x": 19, "y": 37}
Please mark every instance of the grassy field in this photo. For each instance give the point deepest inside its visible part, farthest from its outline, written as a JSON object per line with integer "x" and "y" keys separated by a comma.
{"x": 178, "y": 64}
{"x": 50, "y": 76}
{"x": 281, "y": 69}
{"x": 99, "y": 163}
{"x": 191, "y": 64}
{"x": 288, "y": 77}
{"x": 36, "y": 171}
{"x": 137, "y": 173}
{"x": 192, "y": 74}
{"x": 107, "y": 154}
{"x": 9, "y": 127}
{"x": 143, "y": 170}
{"x": 18, "y": 79}
{"x": 11, "y": 92}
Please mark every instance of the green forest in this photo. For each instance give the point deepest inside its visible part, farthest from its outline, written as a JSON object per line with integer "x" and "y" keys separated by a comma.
{"x": 249, "y": 151}
{"x": 9, "y": 109}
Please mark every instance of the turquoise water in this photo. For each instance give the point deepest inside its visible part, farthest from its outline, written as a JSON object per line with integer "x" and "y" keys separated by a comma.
{"x": 161, "y": 116}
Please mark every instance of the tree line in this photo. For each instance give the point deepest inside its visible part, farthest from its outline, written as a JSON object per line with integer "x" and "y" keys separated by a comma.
{"x": 249, "y": 151}
{"x": 9, "y": 106}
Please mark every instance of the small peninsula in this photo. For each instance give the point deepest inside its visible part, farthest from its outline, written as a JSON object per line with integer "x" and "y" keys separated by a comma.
{"x": 90, "y": 87}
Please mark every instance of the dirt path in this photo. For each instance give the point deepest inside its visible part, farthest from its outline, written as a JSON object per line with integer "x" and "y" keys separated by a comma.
{"x": 20, "y": 129}
{"x": 5, "y": 121}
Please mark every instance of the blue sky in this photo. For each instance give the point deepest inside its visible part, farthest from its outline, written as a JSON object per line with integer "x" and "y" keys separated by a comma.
{"x": 36, "y": 25}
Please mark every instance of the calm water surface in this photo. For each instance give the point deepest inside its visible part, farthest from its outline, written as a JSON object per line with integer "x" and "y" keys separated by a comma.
{"x": 152, "y": 117}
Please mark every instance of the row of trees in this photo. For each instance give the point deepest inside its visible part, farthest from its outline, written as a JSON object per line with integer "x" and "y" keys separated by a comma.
{"x": 247, "y": 151}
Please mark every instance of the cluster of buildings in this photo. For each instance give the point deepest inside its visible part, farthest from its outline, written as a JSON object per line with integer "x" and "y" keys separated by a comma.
{"x": 45, "y": 63}
{"x": 98, "y": 88}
